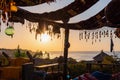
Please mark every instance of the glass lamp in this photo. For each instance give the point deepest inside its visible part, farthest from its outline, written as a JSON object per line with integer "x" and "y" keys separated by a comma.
{"x": 9, "y": 31}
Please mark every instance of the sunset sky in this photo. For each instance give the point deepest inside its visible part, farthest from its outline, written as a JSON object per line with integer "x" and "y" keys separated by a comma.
{"x": 27, "y": 40}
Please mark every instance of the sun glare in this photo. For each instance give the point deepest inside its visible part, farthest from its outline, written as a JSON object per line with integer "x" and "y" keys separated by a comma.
{"x": 45, "y": 38}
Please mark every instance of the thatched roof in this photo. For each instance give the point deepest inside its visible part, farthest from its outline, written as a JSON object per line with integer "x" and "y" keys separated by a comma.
{"x": 100, "y": 56}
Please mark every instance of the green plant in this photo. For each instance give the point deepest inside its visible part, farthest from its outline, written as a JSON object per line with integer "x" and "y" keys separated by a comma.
{"x": 21, "y": 54}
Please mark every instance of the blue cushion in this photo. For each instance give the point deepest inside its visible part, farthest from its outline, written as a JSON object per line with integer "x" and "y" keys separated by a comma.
{"x": 101, "y": 76}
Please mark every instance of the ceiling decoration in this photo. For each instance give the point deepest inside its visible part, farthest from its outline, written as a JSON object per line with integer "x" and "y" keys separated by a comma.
{"x": 73, "y": 9}
{"x": 111, "y": 17}
{"x": 96, "y": 35}
{"x": 7, "y": 7}
{"x": 108, "y": 17}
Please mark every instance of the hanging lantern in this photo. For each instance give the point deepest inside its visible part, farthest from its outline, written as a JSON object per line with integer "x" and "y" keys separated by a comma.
{"x": 13, "y": 7}
{"x": 4, "y": 17}
{"x": 9, "y": 31}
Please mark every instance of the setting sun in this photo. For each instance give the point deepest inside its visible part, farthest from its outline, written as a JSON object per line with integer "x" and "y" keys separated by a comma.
{"x": 45, "y": 38}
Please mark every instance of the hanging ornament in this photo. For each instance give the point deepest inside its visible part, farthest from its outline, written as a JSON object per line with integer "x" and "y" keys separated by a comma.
{"x": 13, "y": 7}
{"x": 0, "y": 21}
{"x": 111, "y": 34}
{"x": 4, "y": 17}
{"x": 80, "y": 36}
{"x": 58, "y": 36}
{"x": 96, "y": 35}
{"x": 107, "y": 33}
{"x": 117, "y": 32}
{"x": 9, "y": 31}
{"x": 104, "y": 33}
{"x": 100, "y": 34}
{"x": 33, "y": 28}
{"x": 0, "y": 26}
{"x": 89, "y": 35}
{"x": 85, "y": 34}
{"x": 92, "y": 41}
{"x": 93, "y": 35}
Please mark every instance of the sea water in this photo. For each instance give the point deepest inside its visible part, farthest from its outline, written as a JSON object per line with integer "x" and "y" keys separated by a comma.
{"x": 82, "y": 55}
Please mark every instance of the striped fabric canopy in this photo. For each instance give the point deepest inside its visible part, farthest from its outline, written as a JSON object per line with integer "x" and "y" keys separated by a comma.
{"x": 73, "y": 9}
{"x": 31, "y": 2}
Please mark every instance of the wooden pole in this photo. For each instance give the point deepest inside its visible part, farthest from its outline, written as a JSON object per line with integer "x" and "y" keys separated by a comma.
{"x": 66, "y": 46}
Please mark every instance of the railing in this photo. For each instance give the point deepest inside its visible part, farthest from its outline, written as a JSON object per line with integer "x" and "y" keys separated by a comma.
{"x": 47, "y": 66}
{"x": 113, "y": 68}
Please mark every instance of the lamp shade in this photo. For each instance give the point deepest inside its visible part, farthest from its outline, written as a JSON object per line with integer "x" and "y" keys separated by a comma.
{"x": 13, "y": 8}
{"x": 9, "y": 31}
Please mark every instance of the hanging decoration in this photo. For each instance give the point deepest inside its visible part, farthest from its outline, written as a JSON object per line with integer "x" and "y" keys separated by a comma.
{"x": 46, "y": 19}
{"x": 0, "y": 21}
{"x": 117, "y": 32}
{"x": 13, "y": 6}
{"x": 97, "y": 35}
{"x": 6, "y": 8}
{"x": 9, "y": 31}
{"x": 71, "y": 10}
{"x": 43, "y": 27}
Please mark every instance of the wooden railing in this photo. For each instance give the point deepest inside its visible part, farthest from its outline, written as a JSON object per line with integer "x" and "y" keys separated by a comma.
{"x": 101, "y": 67}
{"x": 47, "y": 66}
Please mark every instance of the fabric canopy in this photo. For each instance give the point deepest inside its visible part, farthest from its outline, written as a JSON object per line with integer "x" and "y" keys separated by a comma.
{"x": 109, "y": 16}
{"x": 78, "y": 6}
{"x": 73, "y": 9}
{"x": 31, "y": 2}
